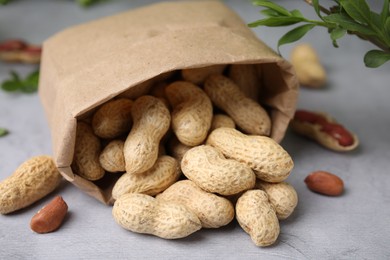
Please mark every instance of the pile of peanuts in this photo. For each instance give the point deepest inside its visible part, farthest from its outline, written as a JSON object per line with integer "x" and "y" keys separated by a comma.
{"x": 191, "y": 149}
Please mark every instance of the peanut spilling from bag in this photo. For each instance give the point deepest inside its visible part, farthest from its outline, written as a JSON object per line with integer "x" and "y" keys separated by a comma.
{"x": 199, "y": 135}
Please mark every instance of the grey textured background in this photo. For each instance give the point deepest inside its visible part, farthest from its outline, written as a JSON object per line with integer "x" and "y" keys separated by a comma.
{"x": 353, "y": 226}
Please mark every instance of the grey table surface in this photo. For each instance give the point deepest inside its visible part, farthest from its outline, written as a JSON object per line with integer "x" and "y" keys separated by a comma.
{"x": 353, "y": 226}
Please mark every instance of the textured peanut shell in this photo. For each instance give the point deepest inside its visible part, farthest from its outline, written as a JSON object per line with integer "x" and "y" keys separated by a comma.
{"x": 269, "y": 161}
{"x": 257, "y": 217}
{"x": 164, "y": 173}
{"x": 213, "y": 211}
{"x": 113, "y": 119}
{"x": 199, "y": 75}
{"x": 177, "y": 149}
{"x": 309, "y": 71}
{"x": 112, "y": 158}
{"x": 86, "y": 153}
{"x": 248, "y": 79}
{"x": 31, "y": 181}
{"x": 248, "y": 115}
{"x": 313, "y": 131}
{"x": 211, "y": 171}
{"x": 282, "y": 197}
{"x": 151, "y": 120}
{"x": 142, "y": 213}
{"x": 221, "y": 120}
{"x": 192, "y": 112}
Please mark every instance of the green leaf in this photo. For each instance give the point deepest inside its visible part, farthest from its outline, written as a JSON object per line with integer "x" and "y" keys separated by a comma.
{"x": 32, "y": 78}
{"x": 295, "y": 34}
{"x": 347, "y": 23}
{"x": 297, "y": 13}
{"x": 358, "y": 10}
{"x": 11, "y": 86}
{"x": 14, "y": 76}
{"x": 385, "y": 11}
{"x": 277, "y": 8}
{"x": 30, "y": 84}
{"x": 387, "y": 25}
{"x": 376, "y": 20}
{"x": 316, "y": 6}
{"x": 336, "y": 34}
{"x": 277, "y": 21}
{"x": 3, "y": 132}
{"x": 376, "y": 58}
{"x": 269, "y": 13}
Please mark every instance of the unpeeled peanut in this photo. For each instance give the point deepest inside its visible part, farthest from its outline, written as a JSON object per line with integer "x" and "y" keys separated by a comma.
{"x": 282, "y": 197}
{"x": 113, "y": 119}
{"x": 31, "y": 181}
{"x": 144, "y": 214}
{"x": 269, "y": 161}
{"x": 221, "y": 120}
{"x": 112, "y": 158}
{"x": 248, "y": 115}
{"x": 86, "y": 153}
{"x": 213, "y": 211}
{"x": 177, "y": 149}
{"x": 309, "y": 71}
{"x": 211, "y": 171}
{"x": 164, "y": 173}
{"x": 257, "y": 217}
{"x": 151, "y": 120}
{"x": 192, "y": 112}
{"x": 199, "y": 75}
{"x": 248, "y": 78}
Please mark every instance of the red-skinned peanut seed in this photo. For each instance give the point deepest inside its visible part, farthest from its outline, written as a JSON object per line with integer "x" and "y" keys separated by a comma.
{"x": 50, "y": 217}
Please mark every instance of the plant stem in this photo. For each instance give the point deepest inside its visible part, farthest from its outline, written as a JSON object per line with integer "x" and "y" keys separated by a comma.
{"x": 323, "y": 9}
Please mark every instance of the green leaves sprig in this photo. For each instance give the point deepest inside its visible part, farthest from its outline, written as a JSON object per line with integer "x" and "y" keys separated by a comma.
{"x": 26, "y": 85}
{"x": 353, "y": 17}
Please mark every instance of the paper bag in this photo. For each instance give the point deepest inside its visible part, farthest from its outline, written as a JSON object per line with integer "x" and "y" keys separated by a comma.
{"x": 84, "y": 66}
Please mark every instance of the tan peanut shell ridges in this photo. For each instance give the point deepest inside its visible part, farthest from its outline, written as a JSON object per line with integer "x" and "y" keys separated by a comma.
{"x": 248, "y": 115}
{"x": 282, "y": 196}
{"x": 155, "y": 180}
{"x": 112, "y": 158}
{"x": 192, "y": 112}
{"x": 144, "y": 214}
{"x": 211, "y": 171}
{"x": 267, "y": 158}
{"x": 31, "y": 181}
{"x": 86, "y": 153}
{"x": 113, "y": 119}
{"x": 213, "y": 211}
{"x": 257, "y": 217}
{"x": 151, "y": 120}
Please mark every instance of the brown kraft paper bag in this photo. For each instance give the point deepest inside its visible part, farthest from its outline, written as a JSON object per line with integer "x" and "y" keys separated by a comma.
{"x": 84, "y": 66}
